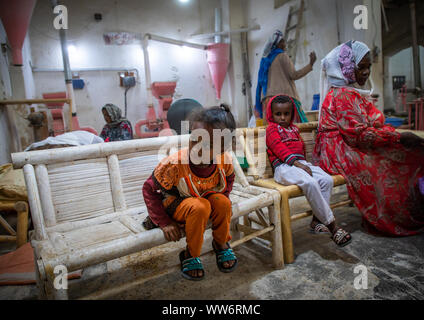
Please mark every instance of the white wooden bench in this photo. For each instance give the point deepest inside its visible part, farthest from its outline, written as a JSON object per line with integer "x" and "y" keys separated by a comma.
{"x": 260, "y": 174}
{"x": 87, "y": 205}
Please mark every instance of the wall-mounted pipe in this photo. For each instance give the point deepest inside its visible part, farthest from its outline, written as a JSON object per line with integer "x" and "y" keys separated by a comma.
{"x": 147, "y": 73}
{"x": 67, "y": 71}
{"x": 225, "y": 33}
{"x": 218, "y": 22}
{"x": 150, "y": 36}
{"x": 124, "y": 69}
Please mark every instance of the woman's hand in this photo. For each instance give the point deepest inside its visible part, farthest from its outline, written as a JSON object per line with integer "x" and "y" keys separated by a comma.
{"x": 302, "y": 166}
{"x": 172, "y": 231}
{"x": 410, "y": 140}
{"x": 312, "y": 58}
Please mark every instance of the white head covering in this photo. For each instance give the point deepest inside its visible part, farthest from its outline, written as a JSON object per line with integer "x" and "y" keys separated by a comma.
{"x": 272, "y": 42}
{"x": 336, "y": 68}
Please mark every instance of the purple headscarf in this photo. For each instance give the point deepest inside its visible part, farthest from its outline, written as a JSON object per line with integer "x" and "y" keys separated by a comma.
{"x": 338, "y": 67}
{"x": 347, "y": 62}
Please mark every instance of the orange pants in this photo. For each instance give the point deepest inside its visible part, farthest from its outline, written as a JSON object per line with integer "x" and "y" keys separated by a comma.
{"x": 196, "y": 212}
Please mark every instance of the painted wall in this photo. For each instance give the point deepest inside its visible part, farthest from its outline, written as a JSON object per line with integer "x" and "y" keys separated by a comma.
{"x": 16, "y": 83}
{"x": 319, "y": 34}
{"x": 168, "y": 18}
{"x": 234, "y": 17}
{"x": 401, "y": 64}
{"x": 23, "y": 87}
{"x": 5, "y": 93}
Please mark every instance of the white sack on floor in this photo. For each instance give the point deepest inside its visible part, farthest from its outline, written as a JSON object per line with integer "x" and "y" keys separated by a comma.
{"x": 74, "y": 138}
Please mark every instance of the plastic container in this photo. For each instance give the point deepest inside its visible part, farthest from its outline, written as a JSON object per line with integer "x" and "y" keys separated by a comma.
{"x": 78, "y": 84}
{"x": 395, "y": 122}
{"x": 315, "y": 102}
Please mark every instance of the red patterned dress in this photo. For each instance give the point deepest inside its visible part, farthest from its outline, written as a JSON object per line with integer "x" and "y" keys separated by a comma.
{"x": 382, "y": 175}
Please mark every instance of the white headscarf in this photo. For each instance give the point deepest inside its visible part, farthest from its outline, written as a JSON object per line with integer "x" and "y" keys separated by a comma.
{"x": 337, "y": 69}
{"x": 272, "y": 42}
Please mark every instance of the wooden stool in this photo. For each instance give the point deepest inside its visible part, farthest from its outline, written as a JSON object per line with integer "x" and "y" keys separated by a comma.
{"x": 20, "y": 235}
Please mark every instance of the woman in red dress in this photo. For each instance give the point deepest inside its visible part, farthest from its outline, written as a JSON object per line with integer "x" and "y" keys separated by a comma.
{"x": 380, "y": 165}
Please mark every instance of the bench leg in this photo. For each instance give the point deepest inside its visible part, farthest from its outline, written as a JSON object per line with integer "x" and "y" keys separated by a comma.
{"x": 56, "y": 294}
{"x": 21, "y": 208}
{"x": 286, "y": 229}
{"x": 276, "y": 238}
{"x": 235, "y": 234}
{"x": 40, "y": 278}
{"x": 246, "y": 221}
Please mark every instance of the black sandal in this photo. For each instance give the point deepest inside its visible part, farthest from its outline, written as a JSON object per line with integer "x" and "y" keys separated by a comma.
{"x": 319, "y": 229}
{"x": 341, "y": 235}
{"x": 224, "y": 256}
{"x": 190, "y": 264}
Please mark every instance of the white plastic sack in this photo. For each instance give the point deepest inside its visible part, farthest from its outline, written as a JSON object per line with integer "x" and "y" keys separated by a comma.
{"x": 252, "y": 122}
{"x": 74, "y": 138}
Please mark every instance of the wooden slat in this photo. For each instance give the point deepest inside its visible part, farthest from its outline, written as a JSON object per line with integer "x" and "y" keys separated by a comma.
{"x": 7, "y": 226}
{"x": 309, "y": 212}
{"x": 80, "y": 189}
{"x": 34, "y": 101}
{"x": 22, "y": 225}
{"x": 95, "y": 151}
{"x": 34, "y": 202}
{"x": 116, "y": 183}
{"x": 91, "y": 236}
{"x": 292, "y": 190}
{"x": 45, "y": 195}
{"x": 252, "y": 233}
{"x": 259, "y": 213}
{"x": 7, "y": 238}
{"x": 134, "y": 172}
{"x": 253, "y": 219}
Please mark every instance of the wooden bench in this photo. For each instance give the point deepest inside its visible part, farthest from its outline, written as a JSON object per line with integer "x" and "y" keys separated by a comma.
{"x": 20, "y": 234}
{"x": 87, "y": 205}
{"x": 260, "y": 174}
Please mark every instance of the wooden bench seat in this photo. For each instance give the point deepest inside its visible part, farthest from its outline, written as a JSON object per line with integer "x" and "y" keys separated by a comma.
{"x": 260, "y": 174}
{"x": 87, "y": 205}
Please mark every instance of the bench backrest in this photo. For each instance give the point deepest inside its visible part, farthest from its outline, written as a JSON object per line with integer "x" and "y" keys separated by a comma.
{"x": 255, "y": 148}
{"x": 68, "y": 186}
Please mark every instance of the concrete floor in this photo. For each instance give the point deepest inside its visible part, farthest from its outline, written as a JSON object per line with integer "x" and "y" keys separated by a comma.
{"x": 395, "y": 270}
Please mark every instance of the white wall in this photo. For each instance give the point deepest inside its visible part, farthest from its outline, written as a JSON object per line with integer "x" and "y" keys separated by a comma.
{"x": 167, "y": 18}
{"x": 372, "y": 37}
{"x": 234, "y": 17}
{"x": 5, "y": 93}
{"x": 16, "y": 83}
{"x": 319, "y": 34}
{"x": 401, "y": 64}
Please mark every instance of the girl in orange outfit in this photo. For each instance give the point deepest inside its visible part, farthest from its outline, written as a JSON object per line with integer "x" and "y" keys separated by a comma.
{"x": 191, "y": 187}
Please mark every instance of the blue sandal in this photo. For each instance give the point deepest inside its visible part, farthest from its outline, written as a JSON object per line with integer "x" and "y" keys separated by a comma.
{"x": 224, "y": 256}
{"x": 190, "y": 264}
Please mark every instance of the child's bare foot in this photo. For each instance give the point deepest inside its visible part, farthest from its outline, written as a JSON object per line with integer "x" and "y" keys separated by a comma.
{"x": 191, "y": 268}
{"x": 225, "y": 258}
